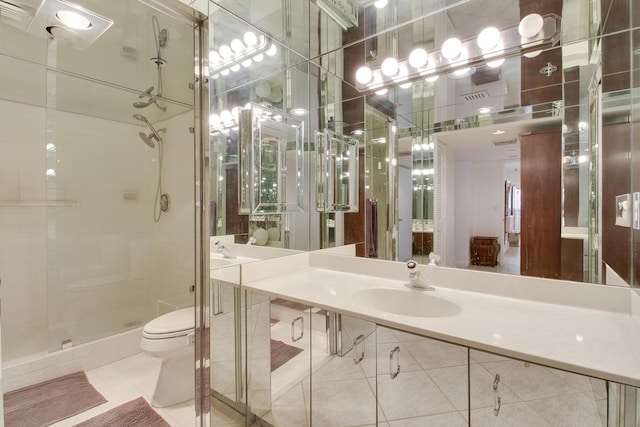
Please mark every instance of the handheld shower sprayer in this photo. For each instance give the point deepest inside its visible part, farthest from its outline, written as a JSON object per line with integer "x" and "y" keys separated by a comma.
{"x": 148, "y": 139}
{"x": 162, "y": 202}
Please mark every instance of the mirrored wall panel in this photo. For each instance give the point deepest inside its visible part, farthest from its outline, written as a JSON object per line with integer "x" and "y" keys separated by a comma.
{"x": 271, "y": 162}
{"x": 337, "y": 172}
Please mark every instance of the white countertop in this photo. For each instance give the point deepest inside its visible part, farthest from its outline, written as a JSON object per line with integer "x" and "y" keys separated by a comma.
{"x": 601, "y": 343}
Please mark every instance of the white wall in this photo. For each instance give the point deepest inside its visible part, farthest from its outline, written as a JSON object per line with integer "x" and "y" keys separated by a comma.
{"x": 479, "y": 204}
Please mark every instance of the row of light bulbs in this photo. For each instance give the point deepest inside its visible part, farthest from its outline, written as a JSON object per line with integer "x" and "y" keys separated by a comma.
{"x": 489, "y": 41}
{"x": 229, "y": 58}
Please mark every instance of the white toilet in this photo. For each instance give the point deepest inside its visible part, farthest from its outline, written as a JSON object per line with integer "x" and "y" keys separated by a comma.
{"x": 171, "y": 337}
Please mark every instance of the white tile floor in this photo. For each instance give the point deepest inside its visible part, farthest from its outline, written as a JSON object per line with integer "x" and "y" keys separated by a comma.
{"x": 136, "y": 376}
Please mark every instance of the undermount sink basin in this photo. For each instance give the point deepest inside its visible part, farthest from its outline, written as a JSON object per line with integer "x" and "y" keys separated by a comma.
{"x": 407, "y": 302}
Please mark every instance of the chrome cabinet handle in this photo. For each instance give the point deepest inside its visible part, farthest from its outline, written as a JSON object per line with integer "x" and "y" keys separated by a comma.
{"x": 497, "y": 400}
{"x": 293, "y": 328}
{"x": 359, "y": 341}
{"x": 395, "y": 351}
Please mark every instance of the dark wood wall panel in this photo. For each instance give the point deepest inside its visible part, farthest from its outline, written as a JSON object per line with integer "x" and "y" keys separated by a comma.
{"x": 354, "y": 222}
{"x": 572, "y": 259}
{"x": 616, "y": 180}
{"x": 236, "y": 224}
{"x": 541, "y": 181}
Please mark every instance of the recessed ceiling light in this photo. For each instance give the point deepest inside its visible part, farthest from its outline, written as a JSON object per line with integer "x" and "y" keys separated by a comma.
{"x": 357, "y": 132}
{"x": 299, "y": 112}
{"x": 498, "y": 132}
{"x": 73, "y": 20}
{"x": 484, "y": 110}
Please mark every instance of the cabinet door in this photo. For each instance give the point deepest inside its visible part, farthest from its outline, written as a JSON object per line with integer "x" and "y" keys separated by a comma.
{"x": 280, "y": 366}
{"x": 343, "y": 377}
{"x": 420, "y": 380}
{"x": 510, "y": 392}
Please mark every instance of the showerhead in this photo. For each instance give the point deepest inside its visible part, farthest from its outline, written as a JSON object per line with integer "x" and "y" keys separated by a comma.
{"x": 147, "y": 139}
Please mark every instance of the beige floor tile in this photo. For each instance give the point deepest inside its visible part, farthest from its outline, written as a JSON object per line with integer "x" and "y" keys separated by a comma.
{"x": 411, "y": 394}
{"x": 432, "y": 354}
{"x": 342, "y": 403}
{"x": 451, "y": 419}
{"x": 510, "y": 415}
{"x": 571, "y": 410}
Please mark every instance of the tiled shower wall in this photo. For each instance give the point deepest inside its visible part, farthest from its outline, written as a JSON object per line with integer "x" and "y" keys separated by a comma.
{"x": 89, "y": 270}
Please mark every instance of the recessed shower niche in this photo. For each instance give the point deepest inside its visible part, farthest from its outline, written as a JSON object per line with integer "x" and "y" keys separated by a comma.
{"x": 337, "y": 172}
{"x": 270, "y": 161}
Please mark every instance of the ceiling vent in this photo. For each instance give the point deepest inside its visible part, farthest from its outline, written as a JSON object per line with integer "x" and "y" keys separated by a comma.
{"x": 475, "y": 96}
{"x": 507, "y": 142}
{"x": 16, "y": 13}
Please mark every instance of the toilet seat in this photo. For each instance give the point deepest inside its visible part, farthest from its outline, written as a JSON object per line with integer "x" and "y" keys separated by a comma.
{"x": 173, "y": 324}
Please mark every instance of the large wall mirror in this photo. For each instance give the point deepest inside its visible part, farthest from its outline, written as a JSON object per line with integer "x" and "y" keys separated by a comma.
{"x": 518, "y": 163}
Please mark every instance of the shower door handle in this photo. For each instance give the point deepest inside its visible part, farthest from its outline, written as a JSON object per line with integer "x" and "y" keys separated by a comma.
{"x": 293, "y": 328}
{"x": 358, "y": 342}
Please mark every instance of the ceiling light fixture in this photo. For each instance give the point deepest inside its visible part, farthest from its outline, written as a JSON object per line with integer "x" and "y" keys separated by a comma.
{"x": 485, "y": 110}
{"x": 380, "y": 4}
{"x": 298, "y": 111}
{"x": 498, "y": 132}
{"x": 459, "y": 58}
{"x": 67, "y": 22}
{"x": 73, "y": 20}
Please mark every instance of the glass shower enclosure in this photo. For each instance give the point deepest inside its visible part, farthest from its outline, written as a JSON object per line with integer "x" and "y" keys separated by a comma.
{"x": 99, "y": 152}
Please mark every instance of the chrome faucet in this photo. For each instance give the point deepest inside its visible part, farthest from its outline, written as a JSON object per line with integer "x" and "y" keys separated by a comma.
{"x": 251, "y": 241}
{"x": 223, "y": 250}
{"x": 417, "y": 280}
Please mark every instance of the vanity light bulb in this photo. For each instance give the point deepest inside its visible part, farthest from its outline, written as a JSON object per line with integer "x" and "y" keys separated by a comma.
{"x": 226, "y": 116}
{"x": 272, "y": 50}
{"x": 389, "y": 67}
{"x": 451, "y": 48}
{"x": 250, "y": 38}
{"x": 225, "y": 51}
{"x": 496, "y": 63}
{"x": 364, "y": 75}
{"x": 406, "y": 85}
{"x": 237, "y": 46}
{"x": 380, "y": 3}
{"x": 382, "y": 92}
{"x": 247, "y": 62}
{"x": 533, "y": 54}
{"x": 530, "y": 25}
{"x": 462, "y": 71}
{"x": 235, "y": 113}
{"x": 431, "y": 79}
{"x": 259, "y": 57}
{"x": 235, "y": 67}
{"x": 214, "y": 119}
{"x": 488, "y": 38}
{"x": 225, "y": 72}
{"x": 418, "y": 58}
{"x": 214, "y": 58}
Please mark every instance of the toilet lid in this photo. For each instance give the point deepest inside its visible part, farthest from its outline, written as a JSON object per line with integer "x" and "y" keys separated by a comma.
{"x": 175, "y": 323}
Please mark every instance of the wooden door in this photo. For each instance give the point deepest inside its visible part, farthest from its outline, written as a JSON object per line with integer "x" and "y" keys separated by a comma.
{"x": 541, "y": 198}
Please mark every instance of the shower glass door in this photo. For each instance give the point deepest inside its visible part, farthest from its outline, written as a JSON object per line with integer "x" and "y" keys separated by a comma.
{"x": 119, "y": 173}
